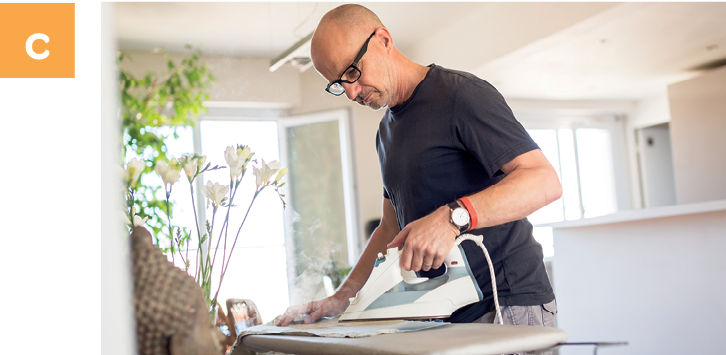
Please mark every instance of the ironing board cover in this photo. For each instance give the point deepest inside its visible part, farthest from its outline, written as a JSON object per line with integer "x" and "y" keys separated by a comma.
{"x": 333, "y": 329}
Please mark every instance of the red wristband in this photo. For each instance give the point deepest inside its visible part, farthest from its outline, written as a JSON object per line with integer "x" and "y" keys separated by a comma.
{"x": 472, "y": 213}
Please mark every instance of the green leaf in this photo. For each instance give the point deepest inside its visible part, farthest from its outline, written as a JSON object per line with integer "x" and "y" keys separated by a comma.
{"x": 144, "y": 108}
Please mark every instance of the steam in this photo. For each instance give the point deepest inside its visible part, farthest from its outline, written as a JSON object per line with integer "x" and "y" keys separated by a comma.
{"x": 309, "y": 283}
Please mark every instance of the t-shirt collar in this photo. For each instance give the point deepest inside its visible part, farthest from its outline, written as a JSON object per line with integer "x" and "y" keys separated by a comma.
{"x": 402, "y": 105}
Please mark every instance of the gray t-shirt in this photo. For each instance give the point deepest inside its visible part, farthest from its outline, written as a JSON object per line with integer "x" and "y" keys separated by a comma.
{"x": 449, "y": 140}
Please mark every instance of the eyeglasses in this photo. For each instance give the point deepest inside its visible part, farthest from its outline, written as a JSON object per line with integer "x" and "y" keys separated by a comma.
{"x": 351, "y": 74}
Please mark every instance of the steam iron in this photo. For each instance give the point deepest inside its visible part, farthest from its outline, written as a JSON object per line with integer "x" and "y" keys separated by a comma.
{"x": 394, "y": 293}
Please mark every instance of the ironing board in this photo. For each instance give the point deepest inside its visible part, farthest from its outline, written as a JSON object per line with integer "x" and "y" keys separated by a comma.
{"x": 450, "y": 339}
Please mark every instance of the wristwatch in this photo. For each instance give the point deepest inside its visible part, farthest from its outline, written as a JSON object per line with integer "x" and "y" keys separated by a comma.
{"x": 459, "y": 217}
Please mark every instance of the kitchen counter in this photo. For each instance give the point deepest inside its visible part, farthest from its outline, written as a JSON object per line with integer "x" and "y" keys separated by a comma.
{"x": 643, "y": 214}
{"x": 655, "y": 278}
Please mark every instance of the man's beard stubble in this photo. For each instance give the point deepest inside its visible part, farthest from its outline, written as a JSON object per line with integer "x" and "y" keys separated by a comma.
{"x": 384, "y": 96}
{"x": 373, "y": 105}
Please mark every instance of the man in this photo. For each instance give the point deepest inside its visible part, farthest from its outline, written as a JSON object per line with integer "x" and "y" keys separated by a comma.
{"x": 447, "y": 142}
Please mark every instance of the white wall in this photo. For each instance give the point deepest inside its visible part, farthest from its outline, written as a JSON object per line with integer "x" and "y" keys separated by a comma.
{"x": 238, "y": 79}
{"x": 651, "y": 111}
{"x": 658, "y": 284}
{"x": 698, "y": 127}
{"x": 118, "y": 331}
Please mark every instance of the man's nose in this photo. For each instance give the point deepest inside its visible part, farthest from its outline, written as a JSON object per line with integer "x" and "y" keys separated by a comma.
{"x": 352, "y": 90}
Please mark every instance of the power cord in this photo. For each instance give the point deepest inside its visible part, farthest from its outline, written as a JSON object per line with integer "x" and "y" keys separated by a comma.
{"x": 479, "y": 241}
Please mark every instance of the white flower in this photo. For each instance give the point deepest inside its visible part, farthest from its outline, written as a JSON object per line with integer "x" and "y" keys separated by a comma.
{"x": 126, "y": 218}
{"x": 274, "y": 165}
{"x": 133, "y": 171}
{"x": 169, "y": 173}
{"x": 191, "y": 164}
{"x": 281, "y": 174}
{"x": 214, "y": 192}
{"x": 265, "y": 172}
{"x": 138, "y": 221}
{"x": 237, "y": 159}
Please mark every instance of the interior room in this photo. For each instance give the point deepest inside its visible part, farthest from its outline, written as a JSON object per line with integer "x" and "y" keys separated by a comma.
{"x": 627, "y": 101}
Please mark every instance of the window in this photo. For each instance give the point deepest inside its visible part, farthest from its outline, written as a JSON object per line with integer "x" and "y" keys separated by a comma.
{"x": 321, "y": 223}
{"x": 257, "y": 269}
{"x": 582, "y": 155}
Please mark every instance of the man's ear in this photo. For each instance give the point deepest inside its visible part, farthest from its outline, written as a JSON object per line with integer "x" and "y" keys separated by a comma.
{"x": 385, "y": 37}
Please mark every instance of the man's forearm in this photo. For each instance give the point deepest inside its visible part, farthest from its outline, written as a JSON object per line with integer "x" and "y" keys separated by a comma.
{"x": 517, "y": 196}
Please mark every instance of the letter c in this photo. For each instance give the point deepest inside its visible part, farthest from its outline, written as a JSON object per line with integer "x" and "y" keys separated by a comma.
{"x": 29, "y": 46}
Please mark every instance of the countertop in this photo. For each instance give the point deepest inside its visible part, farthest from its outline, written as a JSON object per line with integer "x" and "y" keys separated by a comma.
{"x": 643, "y": 214}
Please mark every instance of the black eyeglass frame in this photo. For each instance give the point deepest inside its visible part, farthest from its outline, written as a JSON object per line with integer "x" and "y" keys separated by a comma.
{"x": 354, "y": 66}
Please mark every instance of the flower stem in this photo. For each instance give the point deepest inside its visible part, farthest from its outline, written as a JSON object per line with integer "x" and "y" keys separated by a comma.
{"x": 226, "y": 222}
{"x": 131, "y": 206}
{"x": 210, "y": 229}
{"x": 179, "y": 249}
{"x": 168, "y": 215}
{"x": 225, "y": 266}
{"x": 210, "y": 262}
{"x": 196, "y": 219}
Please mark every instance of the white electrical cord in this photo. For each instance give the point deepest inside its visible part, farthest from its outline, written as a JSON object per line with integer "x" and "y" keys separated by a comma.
{"x": 478, "y": 240}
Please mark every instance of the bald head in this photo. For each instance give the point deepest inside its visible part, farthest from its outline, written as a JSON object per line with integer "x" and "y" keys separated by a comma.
{"x": 352, "y": 19}
{"x": 382, "y": 76}
{"x": 341, "y": 30}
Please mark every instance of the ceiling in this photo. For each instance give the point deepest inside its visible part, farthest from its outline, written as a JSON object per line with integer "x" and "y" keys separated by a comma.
{"x": 535, "y": 51}
{"x": 630, "y": 51}
{"x": 262, "y": 29}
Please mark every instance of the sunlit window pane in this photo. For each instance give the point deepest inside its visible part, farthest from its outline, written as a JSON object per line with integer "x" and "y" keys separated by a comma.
{"x": 258, "y": 267}
{"x": 264, "y": 226}
{"x": 596, "y": 173}
{"x": 547, "y": 141}
{"x": 543, "y": 235}
{"x": 595, "y": 179}
{"x": 568, "y": 171}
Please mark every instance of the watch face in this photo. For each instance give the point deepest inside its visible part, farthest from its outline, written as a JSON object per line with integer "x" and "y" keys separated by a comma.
{"x": 460, "y": 217}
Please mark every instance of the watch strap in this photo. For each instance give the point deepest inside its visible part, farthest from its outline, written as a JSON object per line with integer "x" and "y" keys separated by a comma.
{"x": 473, "y": 217}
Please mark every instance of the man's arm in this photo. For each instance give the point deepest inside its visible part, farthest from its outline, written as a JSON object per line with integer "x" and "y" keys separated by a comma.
{"x": 332, "y": 305}
{"x": 531, "y": 183}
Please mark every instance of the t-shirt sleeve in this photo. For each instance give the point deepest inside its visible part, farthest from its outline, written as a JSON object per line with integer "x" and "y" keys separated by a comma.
{"x": 484, "y": 125}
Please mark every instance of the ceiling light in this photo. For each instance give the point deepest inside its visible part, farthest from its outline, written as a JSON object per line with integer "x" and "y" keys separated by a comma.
{"x": 298, "y": 55}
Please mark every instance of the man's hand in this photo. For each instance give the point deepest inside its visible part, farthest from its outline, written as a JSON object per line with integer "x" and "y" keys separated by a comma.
{"x": 428, "y": 241}
{"x": 326, "y": 307}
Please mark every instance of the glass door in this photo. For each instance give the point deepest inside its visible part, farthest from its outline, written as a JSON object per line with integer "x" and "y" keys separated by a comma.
{"x": 321, "y": 221}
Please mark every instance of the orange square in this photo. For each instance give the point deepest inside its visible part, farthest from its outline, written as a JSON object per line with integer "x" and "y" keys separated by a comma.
{"x": 24, "y": 29}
